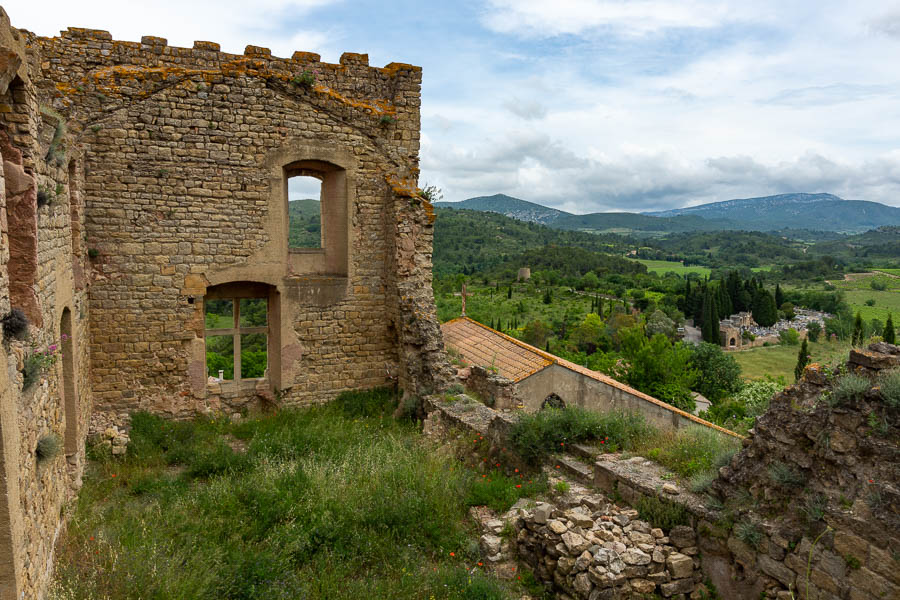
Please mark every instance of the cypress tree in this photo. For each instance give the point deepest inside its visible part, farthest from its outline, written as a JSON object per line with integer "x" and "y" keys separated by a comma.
{"x": 547, "y": 349}
{"x": 509, "y": 293}
{"x": 779, "y": 296}
{"x": 889, "y": 335}
{"x": 857, "y": 337}
{"x": 709, "y": 324}
{"x": 802, "y": 360}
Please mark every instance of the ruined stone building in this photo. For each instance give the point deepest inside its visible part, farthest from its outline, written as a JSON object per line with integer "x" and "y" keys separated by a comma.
{"x": 141, "y": 182}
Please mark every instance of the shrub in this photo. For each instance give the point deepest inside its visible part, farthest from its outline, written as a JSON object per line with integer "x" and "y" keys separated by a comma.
{"x": 870, "y": 302}
{"x": 500, "y": 492}
{"x": 747, "y": 532}
{"x": 878, "y": 284}
{"x": 15, "y": 325}
{"x": 661, "y": 513}
{"x": 889, "y": 383}
{"x": 785, "y": 475}
{"x": 536, "y": 435}
{"x": 695, "y": 450}
{"x": 48, "y": 447}
{"x": 850, "y": 387}
{"x": 789, "y": 337}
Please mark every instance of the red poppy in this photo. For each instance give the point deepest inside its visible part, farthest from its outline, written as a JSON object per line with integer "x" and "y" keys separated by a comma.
{"x": 518, "y": 485}
{"x": 453, "y": 554}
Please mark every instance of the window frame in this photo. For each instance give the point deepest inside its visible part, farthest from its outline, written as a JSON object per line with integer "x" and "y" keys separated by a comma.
{"x": 235, "y": 294}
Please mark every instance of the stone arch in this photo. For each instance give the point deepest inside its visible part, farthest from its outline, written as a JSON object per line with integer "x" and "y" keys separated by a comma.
{"x": 732, "y": 342}
{"x": 69, "y": 387}
{"x": 553, "y": 401}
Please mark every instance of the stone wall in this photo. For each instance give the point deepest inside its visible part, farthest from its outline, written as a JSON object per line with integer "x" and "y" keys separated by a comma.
{"x": 139, "y": 178}
{"x": 595, "y": 550}
{"x": 39, "y": 221}
{"x": 494, "y": 390}
{"x": 186, "y": 156}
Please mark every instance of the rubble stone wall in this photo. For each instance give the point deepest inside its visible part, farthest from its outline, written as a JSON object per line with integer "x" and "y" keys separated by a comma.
{"x": 37, "y": 266}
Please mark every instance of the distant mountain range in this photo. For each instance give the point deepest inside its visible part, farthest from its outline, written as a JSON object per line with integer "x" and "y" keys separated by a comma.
{"x": 817, "y": 212}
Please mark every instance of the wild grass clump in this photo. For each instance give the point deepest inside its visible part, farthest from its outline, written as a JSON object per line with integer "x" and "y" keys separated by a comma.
{"x": 748, "y": 532}
{"x": 700, "y": 482}
{"x": 889, "y": 383}
{"x": 692, "y": 450}
{"x": 337, "y": 501}
{"x": 48, "y": 447}
{"x": 661, "y": 513}
{"x": 785, "y": 475}
{"x": 537, "y": 435}
{"x": 850, "y": 387}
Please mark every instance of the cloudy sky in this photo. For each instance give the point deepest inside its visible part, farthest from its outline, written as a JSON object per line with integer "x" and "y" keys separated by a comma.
{"x": 594, "y": 105}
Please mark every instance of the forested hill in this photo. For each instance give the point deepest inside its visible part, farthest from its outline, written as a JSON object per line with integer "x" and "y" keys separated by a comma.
{"x": 816, "y": 212}
{"x": 509, "y": 206}
{"x": 468, "y": 241}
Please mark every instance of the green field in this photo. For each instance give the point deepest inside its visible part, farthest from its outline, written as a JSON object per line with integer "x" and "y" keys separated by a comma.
{"x": 891, "y": 271}
{"x": 858, "y": 290}
{"x": 664, "y": 266}
{"x": 779, "y": 361}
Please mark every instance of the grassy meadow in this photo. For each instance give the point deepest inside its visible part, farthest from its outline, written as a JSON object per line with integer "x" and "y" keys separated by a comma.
{"x": 780, "y": 360}
{"x": 336, "y": 501}
{"x": 661, "y": 267}
{"x": 859, "y": 292}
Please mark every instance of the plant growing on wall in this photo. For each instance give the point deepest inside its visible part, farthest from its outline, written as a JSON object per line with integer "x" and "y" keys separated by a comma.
{"x": 39, "y": 361}
{"x": 48, "y": 447}
{"x": 15, "y": 325}
{"x": 304, "y": 80}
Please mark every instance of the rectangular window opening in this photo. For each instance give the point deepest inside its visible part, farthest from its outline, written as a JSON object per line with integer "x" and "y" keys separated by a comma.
{"x": 236, "y": 338}
{"x": 305, "y": 212}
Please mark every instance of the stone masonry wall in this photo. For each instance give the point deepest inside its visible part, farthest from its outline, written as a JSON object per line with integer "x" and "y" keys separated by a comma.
{"x": 36, "y": 276}
{"x": 185, "y": 152}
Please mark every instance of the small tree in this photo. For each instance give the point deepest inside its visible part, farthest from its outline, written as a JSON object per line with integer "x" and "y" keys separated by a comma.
{"x": 802, "y": 360}
{"x": 548, "y": 297}
{"x": 889, "y": 335}
{"x": 857, "y": 337}
{"x": 813, "y": 330}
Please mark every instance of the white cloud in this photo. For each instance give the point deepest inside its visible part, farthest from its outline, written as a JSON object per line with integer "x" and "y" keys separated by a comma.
{"x": 538, "y": 18}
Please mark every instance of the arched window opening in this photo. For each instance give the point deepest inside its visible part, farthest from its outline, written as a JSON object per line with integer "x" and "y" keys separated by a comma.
{"x": 731, "y": 342}
{"x": 553, "y": 401}
{"x": 305, "y": 212}
{"x": 239, "y": 318}
{"x": 68, "y": 388}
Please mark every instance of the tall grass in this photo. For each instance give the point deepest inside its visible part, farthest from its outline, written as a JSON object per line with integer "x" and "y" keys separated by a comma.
{"x": 537, "y": 435}
{"x": 692, "y": 450}
{"x": 338, "y": 501}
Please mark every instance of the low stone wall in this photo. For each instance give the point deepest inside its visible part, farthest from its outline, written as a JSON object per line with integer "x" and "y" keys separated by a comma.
{"x": 494, "y": 390}
{"x": 595, "y": 550}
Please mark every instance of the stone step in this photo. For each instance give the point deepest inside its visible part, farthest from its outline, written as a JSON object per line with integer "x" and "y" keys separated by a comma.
{"x": 575, "y": 469}
{"x": 588, "y": 453}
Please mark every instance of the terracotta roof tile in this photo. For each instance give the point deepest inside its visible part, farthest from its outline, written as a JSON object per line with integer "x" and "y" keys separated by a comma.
{"x": 482, "y": 346}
